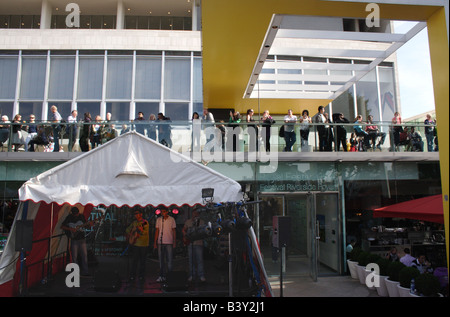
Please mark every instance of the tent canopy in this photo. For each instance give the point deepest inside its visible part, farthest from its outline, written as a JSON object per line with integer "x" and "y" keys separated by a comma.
{"x": 130, "y": 170}
{"x": 427, "y": 209}
{"x": 127, "y": 171}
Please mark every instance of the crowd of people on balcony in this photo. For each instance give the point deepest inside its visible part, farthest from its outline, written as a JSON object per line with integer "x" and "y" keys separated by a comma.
{"x": 91, "y": 133}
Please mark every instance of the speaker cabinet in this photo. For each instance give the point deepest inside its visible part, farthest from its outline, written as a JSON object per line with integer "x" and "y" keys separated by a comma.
{"x": 281, "y": 231}
{"x": 24, "y": 235}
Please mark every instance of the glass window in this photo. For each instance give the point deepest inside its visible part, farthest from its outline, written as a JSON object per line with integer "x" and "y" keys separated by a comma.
{"x": 178, "y": 111}
{"x": 344, "y": 104}
{"x": 387, "y": 93}
{"x": 147, "y": 108}
{"x": 91, "y": 107}
{"x": 14, "y": 22}
{"x": 148, "y": 78}
{"x": 90, "y": 78}
{"x": 4, "y": 21}
{"x": 177, "y": 79}
{"x": 27, "y": 108}
{"x": 61, "y": 78}
{"x": 6, "y": 108}
{"x": 109, "y": 22}
{"x": 198, "y": 107}
{"x": 85, "y": 22}
{"x": 142, "y": 23}
{"x": 154, "y": 23}
{"x": 166, "y": 23}
{"x": 198, "y": 80}
{"x": 367, "y": 96}
{"x": 8, "y": 76}
{"x": 33, "y": 78}
{"x": 96, "y": 22}
{"x": 27, "y": 22}
{"x": 131, "y": 22}
{"x": 120, "y": 111}
{"x": 118, "y": 82}
{"x": 59, "y": 22}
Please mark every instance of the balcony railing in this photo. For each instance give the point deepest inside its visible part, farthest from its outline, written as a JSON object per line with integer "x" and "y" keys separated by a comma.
{"x": 189, "y": 136}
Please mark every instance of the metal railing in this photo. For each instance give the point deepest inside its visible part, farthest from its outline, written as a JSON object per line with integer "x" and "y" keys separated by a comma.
{"x": 185, "y": 136}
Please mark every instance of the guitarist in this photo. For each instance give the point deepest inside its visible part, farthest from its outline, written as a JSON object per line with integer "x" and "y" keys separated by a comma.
{"x": 138, "y": 237}
{"x": 77, "y": 238}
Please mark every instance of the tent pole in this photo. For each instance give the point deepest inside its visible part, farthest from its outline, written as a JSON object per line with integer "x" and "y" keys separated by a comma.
{"x": 23, "y": 258}
{"x": 230, "y": 267}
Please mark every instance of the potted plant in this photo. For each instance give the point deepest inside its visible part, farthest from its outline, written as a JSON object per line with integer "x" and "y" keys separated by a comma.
{"x": 383, "y": 264}
{"x": 361, "y": 266}
{"x": 405, "y": 276}
{"x": 371, "y": 259}
{"x": 393, "y": 278}
{"x": 427, "y": 285}
{"x": 352, "y": 261}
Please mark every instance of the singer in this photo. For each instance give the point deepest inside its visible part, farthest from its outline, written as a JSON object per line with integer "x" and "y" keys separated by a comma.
{"x": 138, "y": 238}
{"x": 165, "y": 240}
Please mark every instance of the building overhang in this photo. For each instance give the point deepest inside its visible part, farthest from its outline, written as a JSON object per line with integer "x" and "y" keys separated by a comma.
{"x": 237, "y": 37}
{"x": 325, "y": 74}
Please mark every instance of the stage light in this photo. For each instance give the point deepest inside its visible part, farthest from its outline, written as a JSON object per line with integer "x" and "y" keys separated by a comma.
{"x": 228, "y": 225}
{"x": 216, "y": 229}
{"x": 207, "y": 192}
{"x": 175, "y": 211}
{"x": 243, "y": 223}
{"x": 198, "y": 233}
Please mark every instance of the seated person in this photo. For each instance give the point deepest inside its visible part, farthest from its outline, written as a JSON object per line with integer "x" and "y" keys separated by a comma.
{"x": 415, "y": 141}
{"x": 374, "y": 133}
{"x": 422, "y": 264}
{"x": 40, "y": 139}
{"x": 361, "y": 132}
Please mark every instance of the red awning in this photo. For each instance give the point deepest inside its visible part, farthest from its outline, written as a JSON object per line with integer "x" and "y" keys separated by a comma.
{"x": 427, "y": 209}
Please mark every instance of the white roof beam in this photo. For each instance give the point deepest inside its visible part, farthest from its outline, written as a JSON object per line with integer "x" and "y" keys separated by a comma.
{"x": 339, "y": 35}
{"x": 318, "y": 66}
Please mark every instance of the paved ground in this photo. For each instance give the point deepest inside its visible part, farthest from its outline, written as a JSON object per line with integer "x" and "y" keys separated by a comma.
{"x": 333, "y": 286}
{"x": 216, "y": 285}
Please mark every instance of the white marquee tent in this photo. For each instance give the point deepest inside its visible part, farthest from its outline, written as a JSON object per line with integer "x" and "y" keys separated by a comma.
{"x": 130, "y": 170}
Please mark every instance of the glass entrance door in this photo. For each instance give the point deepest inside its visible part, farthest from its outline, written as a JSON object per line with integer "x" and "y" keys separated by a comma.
{"x": 313, "y": 247}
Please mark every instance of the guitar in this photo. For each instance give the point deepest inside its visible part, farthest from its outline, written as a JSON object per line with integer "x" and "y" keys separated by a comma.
{"x": 136, "y": 232}
{"x": 79, "y": 226}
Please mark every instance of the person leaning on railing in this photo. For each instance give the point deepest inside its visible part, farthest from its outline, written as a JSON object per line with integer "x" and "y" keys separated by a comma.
{"x": 397, "y": 128}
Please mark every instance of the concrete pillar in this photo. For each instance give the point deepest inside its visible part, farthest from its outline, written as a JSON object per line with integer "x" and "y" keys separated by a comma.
{"x": 46, "y": 14}
{"x": 120, "y": 24}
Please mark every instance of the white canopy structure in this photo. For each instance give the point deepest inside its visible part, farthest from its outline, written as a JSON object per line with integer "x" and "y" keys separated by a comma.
{"x": 127, "y": 171}
{"x": 130, "y": 170}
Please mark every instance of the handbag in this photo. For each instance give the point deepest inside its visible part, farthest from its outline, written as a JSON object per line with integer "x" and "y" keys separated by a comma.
{"x": 281, "y": 132}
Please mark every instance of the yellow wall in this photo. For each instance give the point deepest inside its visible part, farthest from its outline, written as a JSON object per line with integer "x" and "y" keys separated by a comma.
{"x": 439, "y": 54}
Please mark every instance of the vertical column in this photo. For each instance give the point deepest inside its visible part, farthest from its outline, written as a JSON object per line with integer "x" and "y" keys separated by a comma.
{"x": 120, "y": 19}
{"x": 46, "y": 15}
{"x": 18, "y": 84}
{"x": 196, "y": 15}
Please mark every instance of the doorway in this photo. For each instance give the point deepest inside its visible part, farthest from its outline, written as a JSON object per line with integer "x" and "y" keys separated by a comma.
{"x": 314, "y": 248}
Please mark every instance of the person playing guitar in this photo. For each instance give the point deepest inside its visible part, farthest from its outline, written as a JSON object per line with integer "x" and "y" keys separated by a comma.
{"x": 72, "y": 224}
{"x": 138, "y": 238}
